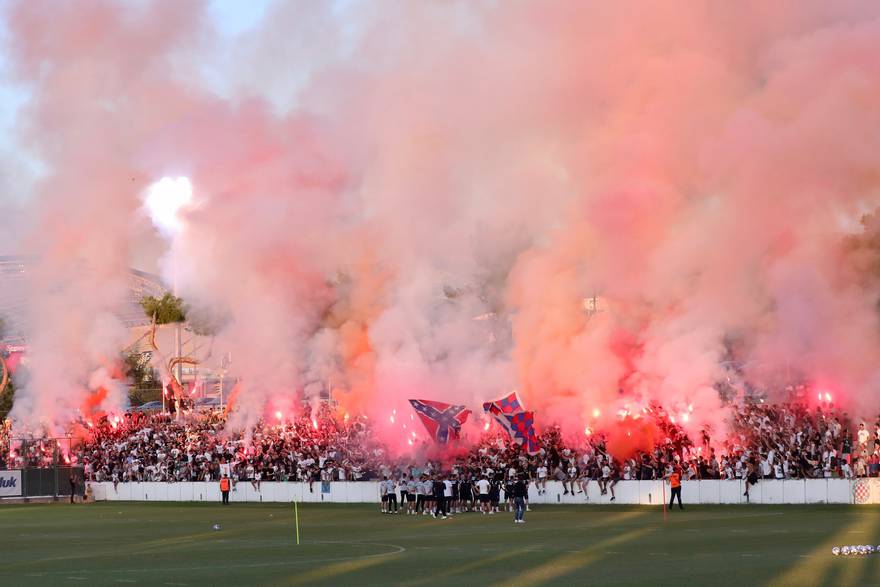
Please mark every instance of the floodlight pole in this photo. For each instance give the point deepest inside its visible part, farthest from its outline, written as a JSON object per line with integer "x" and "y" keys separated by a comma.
{"x": 177, "y": 325}
{"x": 178, "y": 328}
{"x": 177, "y": 350}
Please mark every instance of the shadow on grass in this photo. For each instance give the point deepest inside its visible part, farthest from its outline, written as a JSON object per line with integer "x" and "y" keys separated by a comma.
{"x": 821, "y": 567}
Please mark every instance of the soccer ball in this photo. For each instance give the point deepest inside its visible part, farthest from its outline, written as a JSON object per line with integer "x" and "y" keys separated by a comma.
{"x": 870, "y": 549}
{"x": 835, "y": 551}
{"x": 216, "y": 527}
{"x": 845, "y": 551}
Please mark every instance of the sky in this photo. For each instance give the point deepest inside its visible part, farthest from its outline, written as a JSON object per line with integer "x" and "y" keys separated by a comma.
{"x": 232, "y": 18}
{"x": 220, "y": 69}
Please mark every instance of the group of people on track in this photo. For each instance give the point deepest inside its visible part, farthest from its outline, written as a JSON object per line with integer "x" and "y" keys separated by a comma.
{"x": 443, "y": 495}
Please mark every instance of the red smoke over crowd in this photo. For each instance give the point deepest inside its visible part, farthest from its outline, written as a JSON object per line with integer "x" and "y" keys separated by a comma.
{"x": 606, "y": 206}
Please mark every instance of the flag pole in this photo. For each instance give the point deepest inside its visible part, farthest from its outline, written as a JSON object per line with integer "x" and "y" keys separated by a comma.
{"x": 296, "y": 518}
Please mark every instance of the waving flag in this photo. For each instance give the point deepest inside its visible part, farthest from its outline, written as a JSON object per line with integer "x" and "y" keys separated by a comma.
{"x": 522, "y": 430}
{"x": 443, "y": 421}
{"x": 509, "y": 404}
{"x": 519, "y": 424}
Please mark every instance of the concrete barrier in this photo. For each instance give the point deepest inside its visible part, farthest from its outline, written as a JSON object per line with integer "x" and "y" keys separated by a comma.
{"x": 794, "y": 491}
{"x": 730, "y": 492}
{"x": 839, "y": 491}
{"x": 771, "y": 491}
{"x": 626, "y": 492}
{"x": 710, "y": 491}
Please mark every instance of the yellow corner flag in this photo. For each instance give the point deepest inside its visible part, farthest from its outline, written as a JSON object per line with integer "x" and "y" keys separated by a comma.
{"x": 296, "y": 517}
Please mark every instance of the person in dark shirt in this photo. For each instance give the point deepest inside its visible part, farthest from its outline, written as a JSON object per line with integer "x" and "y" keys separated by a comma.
{"x": 647, "y": 470}
{"x": 439, "y": 498}
{"x": 520, "y": 492}
{"x": 494, "y": 495}
{"x": 465, "y": 494}
{"x": 72, "y": 487}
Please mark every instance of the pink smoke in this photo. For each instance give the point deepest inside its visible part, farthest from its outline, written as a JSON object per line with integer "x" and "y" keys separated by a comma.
{"x": 428, "y": 204}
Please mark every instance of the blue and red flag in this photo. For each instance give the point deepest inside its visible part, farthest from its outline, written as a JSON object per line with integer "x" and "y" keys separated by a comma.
{"x": 443, "y": 421}
{"x": 508, "y": 404}
{"x": 519, "y": 424}
{"x": 522, "y": 430}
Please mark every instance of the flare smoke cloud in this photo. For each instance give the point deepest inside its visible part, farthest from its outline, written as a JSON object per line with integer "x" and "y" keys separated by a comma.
{"x": 599, "y": 204}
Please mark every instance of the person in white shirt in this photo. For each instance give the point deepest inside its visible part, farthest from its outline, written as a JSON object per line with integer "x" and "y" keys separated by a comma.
{"x": 542, "y": 479}
{"x": 403, "y": 488}
{"x": 571, "y": 478}
{"x": 412, "y": 491}
{"x": 765, "y": 468}
{"x": 428, "y": 490}
{"x": 383, "y": 493}
{"x": 419, "y": 492}
{"x": 483, "y": 486}
{"x": 859, "y": 468}
{"x": 391, "y": 490}
{"x": 606, "y": 477}
{"x": 447, "y": 495}
{"x": 258, "y": 476}
{"x": 864, "y": 436}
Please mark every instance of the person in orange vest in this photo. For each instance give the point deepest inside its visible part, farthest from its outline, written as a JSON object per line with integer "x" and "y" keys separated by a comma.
{"x": 224, "y": 489}
{"x": 675, "y": 483}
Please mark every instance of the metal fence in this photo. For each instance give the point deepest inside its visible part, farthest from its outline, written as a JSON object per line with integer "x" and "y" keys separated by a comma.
{"x": 51, "y": 482}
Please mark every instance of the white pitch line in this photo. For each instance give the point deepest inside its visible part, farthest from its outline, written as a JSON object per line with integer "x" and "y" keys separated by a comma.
{"x": 397, "y": 549}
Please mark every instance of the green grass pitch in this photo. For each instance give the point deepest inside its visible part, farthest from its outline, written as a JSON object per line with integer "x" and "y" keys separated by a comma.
{"x": 174, "y": 544}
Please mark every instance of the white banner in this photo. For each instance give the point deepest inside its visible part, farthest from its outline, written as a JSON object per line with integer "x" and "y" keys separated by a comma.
{"x": 10, "y": 483}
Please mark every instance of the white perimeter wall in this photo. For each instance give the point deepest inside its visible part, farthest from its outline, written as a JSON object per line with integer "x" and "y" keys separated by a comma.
{"x": 627, "y": 492}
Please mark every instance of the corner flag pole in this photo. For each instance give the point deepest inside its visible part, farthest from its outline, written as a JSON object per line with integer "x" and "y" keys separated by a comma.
{"x": 296, "y": 517}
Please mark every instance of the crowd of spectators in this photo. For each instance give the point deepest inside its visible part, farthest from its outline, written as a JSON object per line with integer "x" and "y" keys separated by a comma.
{"x": 764, "y": 441}
{"x": 195, "y": 447}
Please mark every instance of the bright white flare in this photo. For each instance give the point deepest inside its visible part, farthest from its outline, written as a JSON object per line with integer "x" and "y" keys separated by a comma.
{"x": 164, "y": 199}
